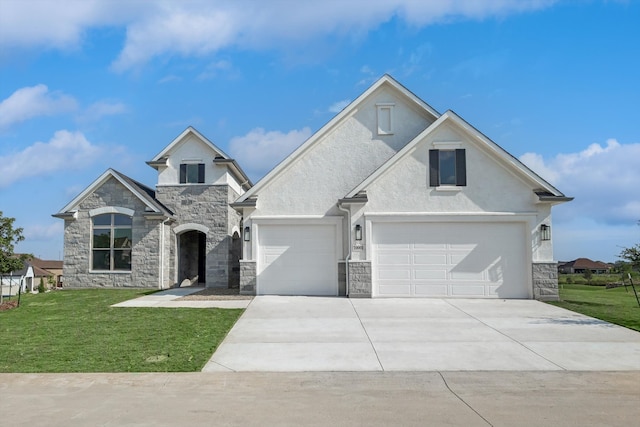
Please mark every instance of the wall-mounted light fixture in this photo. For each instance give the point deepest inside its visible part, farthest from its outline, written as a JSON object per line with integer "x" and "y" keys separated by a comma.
{"x": 247, "y": 234}
{"x": 545, "y": 232}
{"x": 358, "y": 232}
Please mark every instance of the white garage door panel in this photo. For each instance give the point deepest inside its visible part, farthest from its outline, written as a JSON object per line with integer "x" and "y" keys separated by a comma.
{"x": 297, "y": 260}
{"x": 449, "y": 259}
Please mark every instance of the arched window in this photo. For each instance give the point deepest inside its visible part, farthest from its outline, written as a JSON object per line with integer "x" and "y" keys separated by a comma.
{"x": 111, "y": 243}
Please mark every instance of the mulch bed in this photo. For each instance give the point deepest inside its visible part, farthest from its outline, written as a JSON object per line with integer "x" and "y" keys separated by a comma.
{"x": 8, "y": 305}
{"x": 208, "y": 294}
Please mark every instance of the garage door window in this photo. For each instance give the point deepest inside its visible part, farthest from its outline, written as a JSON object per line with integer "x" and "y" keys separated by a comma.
{"x": 447, "y": 168}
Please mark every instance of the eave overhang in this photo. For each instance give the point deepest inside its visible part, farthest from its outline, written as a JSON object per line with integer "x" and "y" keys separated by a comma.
{"x": 249, "y": 203}
{"x": 546, "y": 197}
{"x": 359, "y": 199}
{"x": 236, "y": 170}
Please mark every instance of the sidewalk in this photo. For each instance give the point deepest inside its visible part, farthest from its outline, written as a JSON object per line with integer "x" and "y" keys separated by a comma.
{"x": 322, "y": 399}
{"x": 171, "y": 299}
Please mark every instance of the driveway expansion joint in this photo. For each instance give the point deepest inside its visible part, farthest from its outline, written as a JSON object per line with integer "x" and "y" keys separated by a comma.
{"x": 462, "y": 400}
{"x": 506, "y": 335}
{"x": 367, "y": 334}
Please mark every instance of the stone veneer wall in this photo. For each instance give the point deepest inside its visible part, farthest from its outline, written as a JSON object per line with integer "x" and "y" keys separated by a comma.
{"x": 235, "y": 254}
{"x": 360, "y": 279}
{"x": 206, "y": 205}
{"x": 247, "y": 277}
{"x": 545, "y": 281}
{"x": 77, "y": 243}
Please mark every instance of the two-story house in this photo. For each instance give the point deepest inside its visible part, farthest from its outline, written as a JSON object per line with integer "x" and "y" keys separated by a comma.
{"x": 389, "y": 199}
{"x": 119, "y": 232}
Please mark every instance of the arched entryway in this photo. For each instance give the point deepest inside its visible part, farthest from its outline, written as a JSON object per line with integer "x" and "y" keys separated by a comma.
{"x": 192, "y": 257}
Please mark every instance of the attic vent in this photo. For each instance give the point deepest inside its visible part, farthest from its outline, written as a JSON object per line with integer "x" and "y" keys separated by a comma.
{"x": 385, "y": 118}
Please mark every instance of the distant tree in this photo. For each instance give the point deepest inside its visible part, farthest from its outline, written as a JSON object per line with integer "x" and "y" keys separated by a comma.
{"x": 587, "y": 275}
{"x": 9, "y": 236}
{"x": 632, "y": 255}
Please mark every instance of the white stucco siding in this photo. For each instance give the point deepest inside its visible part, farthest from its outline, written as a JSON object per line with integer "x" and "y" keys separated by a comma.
{"x": 542, "y": 249}
{"x": 490, "y": 186}
{"x": 341, "y": 159}
{"x": 191, "y": 150}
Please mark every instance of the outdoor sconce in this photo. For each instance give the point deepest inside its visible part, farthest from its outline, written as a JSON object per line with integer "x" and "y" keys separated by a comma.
{"x": 358, "y": 232}
{"x": 247, "y": 234}
{"x": 545, "y": 232}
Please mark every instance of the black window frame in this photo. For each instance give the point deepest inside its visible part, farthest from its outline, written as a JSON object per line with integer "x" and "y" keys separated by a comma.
{"x": 460, "y": 168}
{"x": 185, "y": 173}
{"x": 113, "y": 252}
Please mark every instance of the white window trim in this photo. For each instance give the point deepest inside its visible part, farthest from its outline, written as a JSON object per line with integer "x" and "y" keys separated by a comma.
{"x": 109, "y": 210}
{"x": 382, "y": 108}
{"x": 447, "y": 145}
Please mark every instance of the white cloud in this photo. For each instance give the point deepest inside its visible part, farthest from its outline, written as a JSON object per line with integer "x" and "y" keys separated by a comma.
{"x": 33, "y": 101}
{"x": 260, "y": 151}
{"x": 101, "y": 109}
{"x": 213, "y": 69}
{"x": 201, "y": 27}
{"x": 39, "y": 232}
{"x": 603, "y": 179}
{"x": 338, "y": 106}
{"x": 48, "y": 24}
{"x": 66, "y": 150}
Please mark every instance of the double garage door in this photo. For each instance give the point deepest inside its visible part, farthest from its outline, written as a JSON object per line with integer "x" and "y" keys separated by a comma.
{"x": 486, "y": 260}
{"x": 409, "y": 259}
{"x": 297, "y": 260}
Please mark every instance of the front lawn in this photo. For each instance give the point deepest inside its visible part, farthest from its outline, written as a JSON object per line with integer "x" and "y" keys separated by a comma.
{"x": 77, "y": 331}
{"x": 612, "y": 305}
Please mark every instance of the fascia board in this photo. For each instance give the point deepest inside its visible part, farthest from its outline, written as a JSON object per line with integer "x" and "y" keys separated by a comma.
{"x": 503, "y": 155}
{"x": 181, "y": 137}
{"x": 349, "y": 110}
{"x": 96, "y": 184}
{"x": 90, "y": 189}
{"x": 398, "y": 156}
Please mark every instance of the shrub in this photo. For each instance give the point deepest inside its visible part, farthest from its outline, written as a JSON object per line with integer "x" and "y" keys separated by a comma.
{"x": 41, "y": 286}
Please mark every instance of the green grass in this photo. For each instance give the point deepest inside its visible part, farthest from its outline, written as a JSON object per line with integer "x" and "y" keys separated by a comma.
{"x": 612, "y": 305}
{"x": 77, "y": 331}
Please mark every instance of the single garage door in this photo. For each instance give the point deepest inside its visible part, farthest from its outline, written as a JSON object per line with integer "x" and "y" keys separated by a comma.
{"x": 297, "y": 260}
{"x": 486, "y": 260}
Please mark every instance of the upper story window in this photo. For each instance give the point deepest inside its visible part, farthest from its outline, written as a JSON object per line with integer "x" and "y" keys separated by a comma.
{"x": 447, "y": 167}
{"x": 112, "y": 242}
{"x": 192, "y": 173}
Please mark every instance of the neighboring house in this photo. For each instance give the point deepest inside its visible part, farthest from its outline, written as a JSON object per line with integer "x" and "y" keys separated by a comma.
{"x": 393, "y": 199}
{"x": 49, "y": 270}
{"x": 17, "y": 281}
{"x": 580, "y": 265}
{"x": 28, "y": 278}
{"x": 119, "y": 232}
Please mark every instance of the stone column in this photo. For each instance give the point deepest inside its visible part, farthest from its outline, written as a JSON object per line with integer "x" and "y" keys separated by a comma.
{"x": 545, "y": 281}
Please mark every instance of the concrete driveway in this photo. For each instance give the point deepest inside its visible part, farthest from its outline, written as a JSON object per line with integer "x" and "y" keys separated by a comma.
{"x": 279, "y": 333}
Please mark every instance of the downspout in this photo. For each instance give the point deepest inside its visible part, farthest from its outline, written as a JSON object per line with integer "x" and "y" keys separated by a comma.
{"x": 348, "y": 257}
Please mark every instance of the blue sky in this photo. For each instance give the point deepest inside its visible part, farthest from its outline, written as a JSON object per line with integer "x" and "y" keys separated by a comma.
{"x": 107, "y": 83}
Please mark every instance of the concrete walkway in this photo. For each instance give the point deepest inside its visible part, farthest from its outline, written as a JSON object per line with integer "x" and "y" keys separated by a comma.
{"x": 341, "y": 334}
{"x": 171, "y": 299}
{"x": 472, "y": 399}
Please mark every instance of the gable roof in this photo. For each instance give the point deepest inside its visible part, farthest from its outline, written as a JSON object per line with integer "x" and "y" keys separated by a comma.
{"x": 141, "y": 191}
{"x": 349, "y": 110}
{"x": 541, "y": 186}
{"x": 190, "y": 130}
{"x": 221, "y": 158}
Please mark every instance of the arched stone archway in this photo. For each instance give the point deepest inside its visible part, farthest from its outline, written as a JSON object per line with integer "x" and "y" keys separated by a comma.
{"x": 192, "y": 257}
